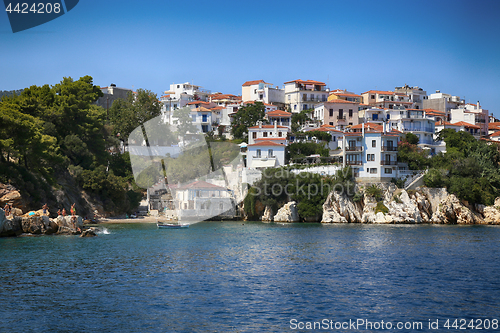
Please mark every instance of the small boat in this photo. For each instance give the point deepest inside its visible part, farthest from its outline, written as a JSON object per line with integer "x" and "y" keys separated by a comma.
{"x": 171, "y": 225}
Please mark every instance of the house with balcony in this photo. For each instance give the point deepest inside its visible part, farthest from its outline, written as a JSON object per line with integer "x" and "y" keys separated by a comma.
{"x": 274, "y": 133}
{"x": 345, "y": 95}
{"x": 416, "y": 95}
{"x": 442, "y": 102}
{"x": 337, "y": 112}
{"x": 261, "y": 91}
{"x": 279, "y": 117}
{"x": 387, "y": 99}
{"x": 336, "y": 141}
{"x": 178, "y": 96}
{"x": 200, "y": 200}
{"x": 372, "y": 153}
{"x": 265, "y": 154}
{"x": 474, "y": 130}
{"x": 267, "y": 107}
{"x": 472, "y": 114}
{"x": 304, "y": 94}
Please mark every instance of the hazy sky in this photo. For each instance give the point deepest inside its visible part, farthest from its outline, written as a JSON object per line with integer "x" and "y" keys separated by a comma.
{"x": 453, "y": 46}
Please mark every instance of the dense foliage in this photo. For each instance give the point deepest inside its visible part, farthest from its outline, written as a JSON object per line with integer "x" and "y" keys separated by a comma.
{"x": 469, "y": 168}
{"x": 299, "y": 150}
{"x": 410, "y": 153}
{"x": 299, "y": 119}
{"x": 279, "y": 185}
{"x": 47, "y": 131}
{"x": 247, "y": 116}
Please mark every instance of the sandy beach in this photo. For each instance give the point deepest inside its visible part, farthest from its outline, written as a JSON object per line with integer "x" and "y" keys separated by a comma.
{"x": 140, "y": 219}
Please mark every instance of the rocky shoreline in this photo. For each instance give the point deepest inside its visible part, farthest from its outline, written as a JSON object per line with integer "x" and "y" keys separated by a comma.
{"x": 37, "y": 224}
{"x": 423, "y": 205}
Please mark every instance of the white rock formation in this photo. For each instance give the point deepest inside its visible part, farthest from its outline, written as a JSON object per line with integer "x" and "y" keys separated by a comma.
{"x": 287, "y": 213}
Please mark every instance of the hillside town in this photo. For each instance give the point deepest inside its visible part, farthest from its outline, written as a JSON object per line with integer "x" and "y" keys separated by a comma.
{"x": 365, "y": 129}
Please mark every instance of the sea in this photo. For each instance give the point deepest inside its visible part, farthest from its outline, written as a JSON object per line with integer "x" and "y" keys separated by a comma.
{"x": 254, "y": 277}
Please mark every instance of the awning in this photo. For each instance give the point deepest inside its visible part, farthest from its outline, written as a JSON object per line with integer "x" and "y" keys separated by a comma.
{"x": 270, "y": 163}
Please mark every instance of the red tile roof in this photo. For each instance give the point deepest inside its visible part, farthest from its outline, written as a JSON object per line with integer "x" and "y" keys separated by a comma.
{"x": 279, "y": 113}
{"x": 307, "y": 82}
{"x": 253, "y": 102}
{"x": 266, "y": 143}
{"x": 494, "y": 125}
{"x": 197, "y": 102}
{"x": 495, "y": 134}
{"x": 340, "y": 101}
{"x": 345, "y": 95}
{"x": 268, "y": 126}
{"x": 269, "y": 139}
{"x": 445, "y": 123}
{"x": 368, "y": 127}
{"x": 380, "y": 92}
{"x": 250, "y": 83}
{"x": 467, "y": 125}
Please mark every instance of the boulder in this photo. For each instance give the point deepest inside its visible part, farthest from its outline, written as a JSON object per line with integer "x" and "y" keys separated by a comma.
{"x": 91, "y": 232}
{"x": 36, "y": 225}
{"x": 9, "y": 226}
{"x": 287, "y": 213}
{"x": 452, "y": 211}
{"x": 338, "y": 208}
{"x": 268, "y": 214}
{"x": 492, "y": 213}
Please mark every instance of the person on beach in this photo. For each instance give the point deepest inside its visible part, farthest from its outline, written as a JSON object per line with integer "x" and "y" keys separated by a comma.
{"x": 59, "y": 212}
{"x": 45, "y": 209}
{"x": 73, "y": 216}
{"x": 64, "y": 212}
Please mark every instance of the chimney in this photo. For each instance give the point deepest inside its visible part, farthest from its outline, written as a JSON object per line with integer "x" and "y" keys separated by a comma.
{"x": 478, "y": 105}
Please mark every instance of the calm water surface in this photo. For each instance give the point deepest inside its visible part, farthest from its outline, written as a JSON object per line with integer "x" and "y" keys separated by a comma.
{"x": 251, "y": 277}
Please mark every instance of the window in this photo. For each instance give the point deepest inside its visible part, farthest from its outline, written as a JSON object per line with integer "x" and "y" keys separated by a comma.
{"x": 175, "y": 106}
{"x": 198, "y": 193}
{"x": 331, "y": 123}
{"x": 350, "y": 113}
{"x": 374, "y": 143}
{"x": 204, "y": 128}
{"x": 270, "y": 153}
{"x": 204, "y": 118}
{"x": 350, "y": 124}
{"x": 341, "y": 113}
{"x": 261, "y": 96}
{"x": 295, "y": 107}
{"x": 255, "y": 91}
{"x": 305, "y": 107}
{"x": 388, "y": 170}
{"x": 372, "y": 96}
{"x": 280, "y": 134}
{"x": 265, "y": 134}
{"x": 372, "y": 170}
{"x": 254, "y": 135}
{"x": 331, "y": 112}
{"x": 370, "y": 157}
{"x": 289, "y": 97}
{"x": 178, "y": 86}
{"x": 258, "y": 153}
{"x": 334, "y": 138}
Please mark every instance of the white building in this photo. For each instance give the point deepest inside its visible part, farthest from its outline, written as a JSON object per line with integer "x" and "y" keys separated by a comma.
{"x": 199, "y": 200}
{"x": 372, "y": 154}
{"x": 303, "y": 95}
{"x": 416, "y": 95}
{"x": 442, "y": 102}
{"x": 179, "y": 96}
{"x": 279, "y": 117}
{"x": 260, "y": 91}
{"x": 265, "y": 154}
{"x": 472, "y": 114}
{"x": 273, "y": 133}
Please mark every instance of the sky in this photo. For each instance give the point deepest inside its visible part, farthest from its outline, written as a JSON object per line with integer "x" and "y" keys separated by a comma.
{"x": 451, "y": 46}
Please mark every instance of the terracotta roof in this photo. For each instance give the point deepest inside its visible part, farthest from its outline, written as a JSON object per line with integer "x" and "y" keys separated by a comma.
{"x": 223, "y": 96}
{"x": 318, "y": 83}
{"x": 495, "y": 134}
{"x": 323, "y": 129}
{"x": 197, "y": 102}
{"x": 250, "y": 83}
{"x": 267, "y": 144}
{"x": 434, "y": 111}
{"x": 368, "y": 127}
{"x": 268, "y": 126}
{"x": 340, "y": 101}
{"x": 200, "y": 184}
{"x": 346, "y": 95}
{"x": 218, "y": 108}
{"x": 464, "y": 124}
{"x": 279, "y": 113}
{"x": 445, "y": 123}
{"x": 202, "y": 109}
{"x": 380, "y": 92}
{"x": 493, "y": 125}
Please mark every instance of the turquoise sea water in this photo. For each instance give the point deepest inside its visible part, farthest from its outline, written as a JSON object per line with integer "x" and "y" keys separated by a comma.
{"x": 249, "y": 277}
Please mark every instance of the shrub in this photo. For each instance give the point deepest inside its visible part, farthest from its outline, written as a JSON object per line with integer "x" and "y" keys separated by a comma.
{"x": 358, "y": 196}
{"x": 374, "y": 191}
{"x": 399, "y": 182}
{"x": 397, "y": 199}
{"x": 381, "y": 208}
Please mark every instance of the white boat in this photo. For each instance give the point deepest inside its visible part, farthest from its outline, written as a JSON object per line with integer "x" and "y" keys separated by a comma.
{"x": 171, "y": 225}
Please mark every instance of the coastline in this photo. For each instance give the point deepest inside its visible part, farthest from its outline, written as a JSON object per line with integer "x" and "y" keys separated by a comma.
{"x": 141, "y": 219}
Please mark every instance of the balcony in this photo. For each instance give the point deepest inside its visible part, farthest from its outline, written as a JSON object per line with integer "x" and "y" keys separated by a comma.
{"x": 356, "y": 162}
{"x": 419, "y": 129}
{"x": 354, "y": 148}
{"x": 340, "y": 117}
{"x": 388, "y": 162}
{"x": 389, "y": 148}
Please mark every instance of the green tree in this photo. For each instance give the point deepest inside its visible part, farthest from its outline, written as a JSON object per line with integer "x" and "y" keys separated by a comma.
{"x": 300, "y": 118}
{"x": 247, "y": 116}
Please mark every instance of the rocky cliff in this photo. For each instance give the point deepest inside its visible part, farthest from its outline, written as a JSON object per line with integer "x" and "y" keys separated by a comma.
{"x": 425, "y": 205}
